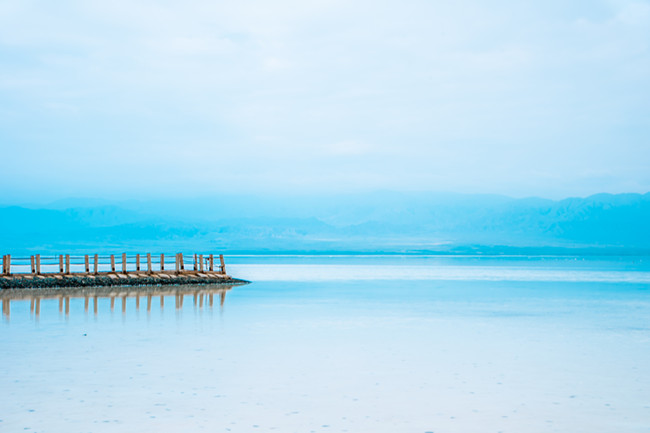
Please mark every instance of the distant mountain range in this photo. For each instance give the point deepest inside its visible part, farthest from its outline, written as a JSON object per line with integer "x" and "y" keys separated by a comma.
{"x": 381, "y": 222}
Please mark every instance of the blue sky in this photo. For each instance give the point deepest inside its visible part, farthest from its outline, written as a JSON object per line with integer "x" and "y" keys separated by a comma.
{"x": 146, "y": 99}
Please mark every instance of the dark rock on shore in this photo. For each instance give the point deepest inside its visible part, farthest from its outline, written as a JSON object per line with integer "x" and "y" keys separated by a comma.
{"x": 20, "y": 282}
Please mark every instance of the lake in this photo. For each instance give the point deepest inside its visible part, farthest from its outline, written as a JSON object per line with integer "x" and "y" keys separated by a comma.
{"x": 345, "y": 344}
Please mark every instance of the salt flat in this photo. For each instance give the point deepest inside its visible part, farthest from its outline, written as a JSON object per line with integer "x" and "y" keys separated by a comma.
{"x": 358, "y": 344}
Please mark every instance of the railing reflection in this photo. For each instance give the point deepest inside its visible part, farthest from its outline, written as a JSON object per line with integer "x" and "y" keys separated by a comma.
{"x": 202, "y": 294}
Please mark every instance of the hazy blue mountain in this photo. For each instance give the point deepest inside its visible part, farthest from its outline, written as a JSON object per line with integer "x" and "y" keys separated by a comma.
{"x": 369, "y": 223}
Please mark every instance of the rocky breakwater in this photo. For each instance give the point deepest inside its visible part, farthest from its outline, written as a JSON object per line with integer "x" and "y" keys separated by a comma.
{"x": 30, "y": 281}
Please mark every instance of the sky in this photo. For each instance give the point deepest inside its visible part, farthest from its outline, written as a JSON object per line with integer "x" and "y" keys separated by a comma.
{"x": 127, "y": 99}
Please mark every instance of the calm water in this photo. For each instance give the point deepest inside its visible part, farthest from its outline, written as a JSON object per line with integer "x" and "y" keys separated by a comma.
{"x": 357, "y": 344}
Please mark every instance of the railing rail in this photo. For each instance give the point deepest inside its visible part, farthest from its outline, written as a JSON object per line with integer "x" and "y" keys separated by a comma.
{"x": 95, "y": 264}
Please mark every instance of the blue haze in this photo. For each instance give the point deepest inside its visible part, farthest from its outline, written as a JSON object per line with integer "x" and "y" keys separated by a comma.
{"x": 383, "y": 222}
{"x": 264, "y": 127}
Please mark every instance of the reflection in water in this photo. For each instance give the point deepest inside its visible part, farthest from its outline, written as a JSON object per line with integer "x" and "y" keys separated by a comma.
{"x": 202, "y": 295}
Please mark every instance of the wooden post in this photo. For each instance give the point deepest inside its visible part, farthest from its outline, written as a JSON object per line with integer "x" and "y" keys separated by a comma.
{"x": 211, "y": 262}
{"x": 180, "y": 259}
{"x": 60, "y": 263}
{"x": 112, "y": 263}
{"x": 33, "y": 262}
{"x": 195, "y": 262}
{"x": 96, "y": 264}
{"x": 67, "y": 263}
{"x": 4, "y": 264}
{"x": 137, "y": 262}
{"x": 38, "y": 264}
{"x": 176, "y": 264}
{"x": 162, "y": 262}
{"x": 87, "y": 267}
{"x": 149, "y": 262}
{"x": 124, "y": 263}
{"x": 201, "y": 262}
{"x": 8, "y": 265}
{"x": 223, "y": 264}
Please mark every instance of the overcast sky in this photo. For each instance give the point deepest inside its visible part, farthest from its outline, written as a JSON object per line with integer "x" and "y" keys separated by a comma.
{"x": 145, "y": 98}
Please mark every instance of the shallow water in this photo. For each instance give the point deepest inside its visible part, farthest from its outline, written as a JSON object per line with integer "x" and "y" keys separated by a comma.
{"x": 358, "y": 344}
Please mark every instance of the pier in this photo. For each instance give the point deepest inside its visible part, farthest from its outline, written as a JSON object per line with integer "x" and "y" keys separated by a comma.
{"x": 70, "y": 271}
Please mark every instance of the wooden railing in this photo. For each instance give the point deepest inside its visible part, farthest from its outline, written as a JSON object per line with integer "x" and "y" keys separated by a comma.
{"x": 95, "y": 264}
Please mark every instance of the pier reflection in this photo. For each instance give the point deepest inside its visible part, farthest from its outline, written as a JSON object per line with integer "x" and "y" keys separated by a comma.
{"x": 203, "y": 297}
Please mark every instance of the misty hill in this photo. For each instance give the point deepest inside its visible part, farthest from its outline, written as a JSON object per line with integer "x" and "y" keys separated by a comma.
{"x": 367, "y": 223}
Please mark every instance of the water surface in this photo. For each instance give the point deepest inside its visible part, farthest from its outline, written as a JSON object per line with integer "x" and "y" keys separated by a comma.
{"x": 358, "y": 344}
